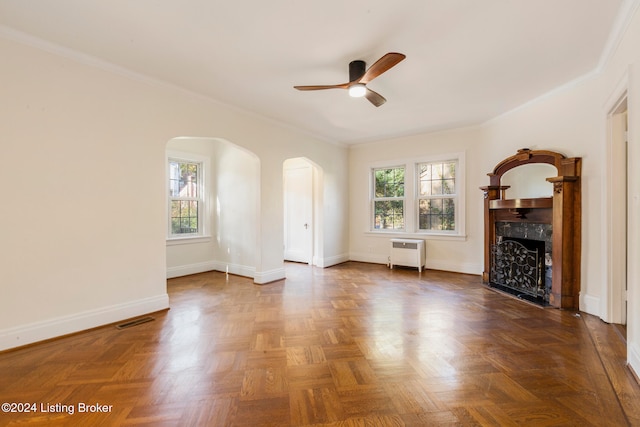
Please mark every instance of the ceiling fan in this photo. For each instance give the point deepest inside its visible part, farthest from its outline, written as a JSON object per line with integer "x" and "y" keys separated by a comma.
{"x": 359, "y": 76}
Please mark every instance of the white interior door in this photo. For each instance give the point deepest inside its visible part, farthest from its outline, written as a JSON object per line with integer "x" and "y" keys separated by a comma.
{"x": 298, "y": 229}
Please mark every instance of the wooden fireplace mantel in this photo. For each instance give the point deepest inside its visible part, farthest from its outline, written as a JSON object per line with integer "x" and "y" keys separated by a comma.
{"x": 562, "y": 211}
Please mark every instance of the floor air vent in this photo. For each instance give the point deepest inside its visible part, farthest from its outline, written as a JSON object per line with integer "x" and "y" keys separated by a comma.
{"x": 135, "y": 322}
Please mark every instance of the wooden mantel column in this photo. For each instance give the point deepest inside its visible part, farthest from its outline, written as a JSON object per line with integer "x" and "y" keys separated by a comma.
{"x": 565, "y": 281}
{"x": 491, "y": 192}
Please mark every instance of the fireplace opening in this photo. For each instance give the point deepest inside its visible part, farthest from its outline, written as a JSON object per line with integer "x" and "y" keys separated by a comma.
{"x": 519, "y": 267}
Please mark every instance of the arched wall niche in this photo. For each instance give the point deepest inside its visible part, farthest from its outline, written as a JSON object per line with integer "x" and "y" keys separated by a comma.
{"x": 230, "y": 240}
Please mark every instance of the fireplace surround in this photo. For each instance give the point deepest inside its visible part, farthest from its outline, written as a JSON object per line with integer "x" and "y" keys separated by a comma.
{"x": 518, "y": 267}
{"x": 555, "y": 222}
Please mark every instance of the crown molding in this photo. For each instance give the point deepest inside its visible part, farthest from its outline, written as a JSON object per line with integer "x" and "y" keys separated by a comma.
{"x": 623, "y": 19}
{"x": 92, "y": 61}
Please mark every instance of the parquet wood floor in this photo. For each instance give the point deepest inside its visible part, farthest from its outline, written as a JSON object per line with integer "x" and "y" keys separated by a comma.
{"x": 352, "y": 345}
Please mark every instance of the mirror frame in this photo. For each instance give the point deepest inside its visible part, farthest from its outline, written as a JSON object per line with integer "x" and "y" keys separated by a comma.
{"x": 526, "y": 156}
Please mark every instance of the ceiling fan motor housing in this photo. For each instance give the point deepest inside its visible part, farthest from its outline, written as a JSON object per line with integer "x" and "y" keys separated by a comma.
{"x": 356, "y": 70}
{"x": 359, "y": 76}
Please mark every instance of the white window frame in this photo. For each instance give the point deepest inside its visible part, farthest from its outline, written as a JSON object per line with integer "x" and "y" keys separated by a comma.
{"x": 411, "y": 204}
{"x": 202, "y": 162}
{"x": 375, "y": 199}
{"x": 454, "y": 196}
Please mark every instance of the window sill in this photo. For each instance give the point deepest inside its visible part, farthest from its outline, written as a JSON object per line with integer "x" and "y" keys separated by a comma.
{"x": 171, "y": 241}
{"x": 424, "y": 236}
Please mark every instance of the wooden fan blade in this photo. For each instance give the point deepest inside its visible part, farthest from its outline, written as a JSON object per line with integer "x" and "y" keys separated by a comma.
{"x": 381, "y": 65}
{"x": 375, "y": 98}
{"x": 322, "y": 87}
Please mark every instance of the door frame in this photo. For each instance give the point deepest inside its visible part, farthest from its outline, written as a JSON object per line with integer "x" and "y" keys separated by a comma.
{"x": 617, "y": 195}
{"x": 316, "y": 241}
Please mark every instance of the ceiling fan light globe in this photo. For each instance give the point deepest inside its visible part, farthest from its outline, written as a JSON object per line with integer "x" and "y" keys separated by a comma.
{"x": 357, "y": 90}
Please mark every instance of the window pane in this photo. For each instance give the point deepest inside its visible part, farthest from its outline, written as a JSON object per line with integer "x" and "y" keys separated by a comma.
{"x": 436, "y": 214}
{"x": 449, "y": 171}
{"x": 389, "y": 182}
{"x": 424, "y": 179}
{"x": 175, "y": 225}
{"x": 184, "y": 216}
{"x": 437, "y": 178}
{"x": 425, "y": 171}
{"x": 189, "y": 180}
{"x": 389, "y": 215}
{"x": 183, "y": 179}
{"x": 449, "y": 214}
{"x": 435, "y": 221}
{"x": 437, "y": 171}
{"x": 174, "y": 179}
{"x": 425, "y": 188}
{"x": 436, "y": 187}
{"x": 184, "y": 196}
{"x": 448, "y": 186}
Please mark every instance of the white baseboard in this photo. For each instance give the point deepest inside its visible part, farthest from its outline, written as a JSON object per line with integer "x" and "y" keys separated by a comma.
{"x": 237, "y": 269}
{"x": 453, "y": 266}
{"x": 456, "y": 267}
{"x": 334, "y": 260}
{"x": 369, "y": 257}
{"x": 262, "y": 277}
{"x": 185, "y": 270}
{"x": 278, "y": 274}
{"x": 201, "y": 267}
{"x": 64, "y": 325}
{"x": 590, "y": 304}
{"x": 633, "y": 357}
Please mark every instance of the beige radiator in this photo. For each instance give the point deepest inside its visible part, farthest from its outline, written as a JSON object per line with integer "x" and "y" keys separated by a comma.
{"x": 408, "y": 252}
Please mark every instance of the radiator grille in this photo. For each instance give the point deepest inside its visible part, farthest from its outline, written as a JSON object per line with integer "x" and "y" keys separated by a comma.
{"x": 400, "y": 245}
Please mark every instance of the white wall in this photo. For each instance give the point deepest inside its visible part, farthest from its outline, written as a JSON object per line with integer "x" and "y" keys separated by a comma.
{"x": 236, "y": 212}
{"x": 443, "y": 253}
{"x": 83, "y": 149}
{"x": 572, "y": 120}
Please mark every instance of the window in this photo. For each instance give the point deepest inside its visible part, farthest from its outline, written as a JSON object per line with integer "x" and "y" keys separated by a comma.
{"x": 437, "y": 196}
{"x": 388, "y": 198}
{"x": 423, "y": 196}
{"x": 186, "y": 202}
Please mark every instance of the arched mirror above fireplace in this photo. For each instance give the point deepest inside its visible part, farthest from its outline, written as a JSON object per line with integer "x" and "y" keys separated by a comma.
{"x": 532, "y": 213}
{"x": 529, "y": 181}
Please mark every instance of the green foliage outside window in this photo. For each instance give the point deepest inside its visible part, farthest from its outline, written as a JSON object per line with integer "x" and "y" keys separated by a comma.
{"x": 389, "y": 182}
{"x": 184, "y": 194}
{"x": 184, "y": 216}
{"x": 388, "y": 205}
{"x": 437, "y": 191}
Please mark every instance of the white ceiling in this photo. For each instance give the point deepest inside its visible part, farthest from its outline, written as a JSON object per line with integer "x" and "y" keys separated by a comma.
{"x": 467, "y": 60}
